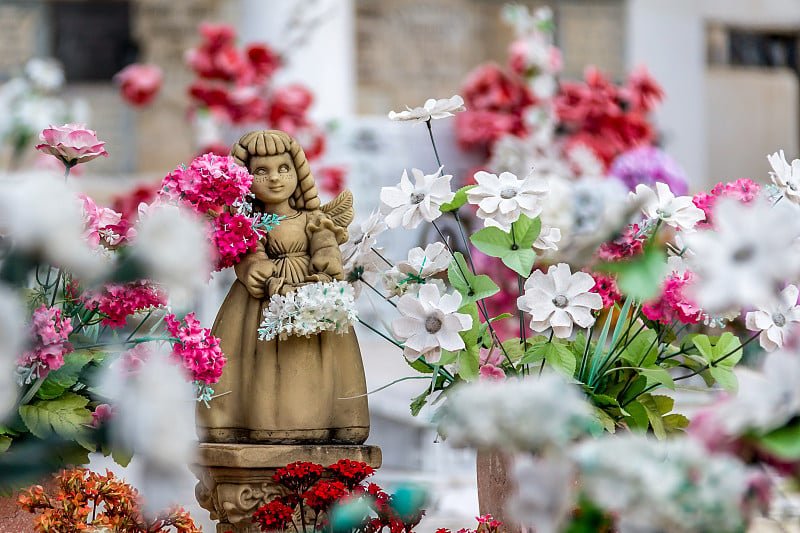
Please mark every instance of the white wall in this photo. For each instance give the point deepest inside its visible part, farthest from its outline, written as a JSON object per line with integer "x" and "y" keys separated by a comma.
{"x": 325, "y": 63}
{"x": 668, "y": 36}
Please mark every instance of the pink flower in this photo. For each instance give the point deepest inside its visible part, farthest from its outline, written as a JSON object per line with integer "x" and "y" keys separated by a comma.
{"x": 49, "y": 334}
{"x": 624, "y": 246}
{"x": 292, "y": 100}
{"x": 234, "y": 236}
{"x": 210, "y": 182}
{"x": 139, "y": 84}
{"x": 118, "y": 301}
{"x": 743, "y": 190}
{"x": 196, "y": 349}
{"x": 264, "y": 60}
{"x": 491, "y": 373}
{"x": 673, "y": 303}
{"x": 100, "y": 414}
{"x": 104, "y": 224}
{"x": 489, "y": 88}
{"x": 481, "y": 129}
{"x": 642, "y": 91}
{"x": 331, "y": 178}
{"x": 606, "y": 287}
{"x": 127, "y": 204}
{"x": 131, "y": 361}
{"x": 71, "y": 143}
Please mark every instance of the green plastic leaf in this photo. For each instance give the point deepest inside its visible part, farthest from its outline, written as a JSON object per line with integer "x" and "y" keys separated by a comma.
{"x": 514, "y": 349}
{"x": 5, "y": 443}
{"x": 468, "y": 363}
{"x": 492, "y": 241}
{"x": 447, "y": 358}
{"x": 420, "y": 366}
{"x": 658, "y": 375}
{"x": 557, "y": 355}
{"x": 64, "y": 416}
{"x": 783, "y": 443}
{"x": 516, "y": 252}
{"x": 714, "y": 349}
{"x": 471, "y": 287}
{"x": 637, "y": 418}
{"x": 458, "y": 200}
{"x": 642, "y": 350}
{"x": 66, "y": 376}
{"x": 471, "y": 335}
{"x": 521, "y": 261}
{"x": 419, "y": 402}
{"x": 725, "y": 377}
{"x": 675, "y": 422}
{"x": 654, "y": 416}
{"x": 640, "y": 277}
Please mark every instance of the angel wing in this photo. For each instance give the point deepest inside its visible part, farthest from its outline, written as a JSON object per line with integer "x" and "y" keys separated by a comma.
{"x": 340, "y": 211}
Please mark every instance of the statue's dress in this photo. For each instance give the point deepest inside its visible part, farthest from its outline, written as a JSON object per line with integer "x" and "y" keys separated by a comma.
{"x": 301, "y": 389}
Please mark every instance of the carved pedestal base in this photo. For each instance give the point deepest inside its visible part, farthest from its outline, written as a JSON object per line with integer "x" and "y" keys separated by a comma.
{"x": 236, "y": 479}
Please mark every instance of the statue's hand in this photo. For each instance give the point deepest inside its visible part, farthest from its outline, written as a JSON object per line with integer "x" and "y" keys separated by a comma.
{"x": 257, "y": 276}
{"x": 325, "y": 264}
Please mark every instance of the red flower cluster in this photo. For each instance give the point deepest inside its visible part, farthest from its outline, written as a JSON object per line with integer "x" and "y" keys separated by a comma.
{"x": 323, "y": 494}
{"x": 209, "y": 183}
{"x": 196, "y": 349}
{"x": 608, "y": 119}
{"x": 351, "y": 473}
{"x": 127, "y": 204}
{"x": 118, "y": 301}
{"x": 299, "y": 476}
{"x": 673, "y": 303}
{"x": 234, "y": 236}
{"x": 606, "y": 286}
{"x": 275, "y": 516}
{"x": 139, "y": 84}
{"x": 623, "y": 247}
{"x": 744, "y": 190}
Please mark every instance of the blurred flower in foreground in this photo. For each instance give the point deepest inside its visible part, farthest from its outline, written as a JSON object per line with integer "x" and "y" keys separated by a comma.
{"x": 139, "y": 84}
{"x": 11, "y": 341}
{"x": 154, "y": 420}
{"x": 71, "y": 143}
{"x": 777, "y": 320}
{"x": 544, "y": 492}
{"x": 408, "y": 205}
{"x": 525, "y": 415}
{"x": 432, "y": 109}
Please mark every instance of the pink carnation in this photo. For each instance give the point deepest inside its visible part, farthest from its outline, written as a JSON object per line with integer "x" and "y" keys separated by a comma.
{"x": 71, "y": 143}
{"x": 673, "y": 303}
{"x": 481, "y": 129}
{"x": 139, "y": 84}
{"x": 624, "y": 246}
{"x": 119, "y": 301}
{"x": 104, "y": 224}
{"x": 491, "y": 373}
{"x": 196, "y": 349}
{"x": 744, "y": 190}
{"x": 101, "y": 414}
{"x": 208, "y": 183}
{"x": 49, "y": 334}
{"x": 606, "y": 287}
{"x": 234, "y": 236}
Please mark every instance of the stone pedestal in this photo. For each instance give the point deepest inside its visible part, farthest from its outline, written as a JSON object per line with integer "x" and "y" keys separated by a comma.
{"x": 236, "y": 479}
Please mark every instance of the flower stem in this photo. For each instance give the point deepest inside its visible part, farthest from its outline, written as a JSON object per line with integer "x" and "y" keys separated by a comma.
{"x": 67, "y": 168}
{"x": 131, "y": 341}
{"x": 435, "y": 151}
{"x": 376, "y": 252}
{"x": 376, "y": 291}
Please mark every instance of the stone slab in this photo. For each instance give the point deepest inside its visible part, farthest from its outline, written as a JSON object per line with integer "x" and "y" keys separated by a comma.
{"x": 277, "y": 456}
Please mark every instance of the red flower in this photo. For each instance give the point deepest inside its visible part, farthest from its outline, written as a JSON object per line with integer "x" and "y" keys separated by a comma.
{"x": 331, "y": 178}
{"x": 263, "y": 59}
{"x": 118, "y": 301}
{"x": 298, "y": 476}
{"x": 292, "y": 101}
{"x": 481, "y": 129}
{"x": 139, "y": 84}
{"x": 351, "y": 473}
{"x": 234, "y": 236}
{"x": 490, "y": 88}
{"x": 624, "y": 246}
{"x": 606, "y": 287}
{"x": 642, "y": 91}
{"x": 275, "y": 516}
{"x": 322, "y": 495}
{"x": 127, "y": 204}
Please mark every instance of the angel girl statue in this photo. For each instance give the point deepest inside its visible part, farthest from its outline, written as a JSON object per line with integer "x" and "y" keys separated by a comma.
{"x": 301, "y": 389}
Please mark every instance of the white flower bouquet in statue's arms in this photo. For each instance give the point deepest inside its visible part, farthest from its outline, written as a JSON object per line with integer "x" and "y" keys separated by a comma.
{"x": 309, "y": 310}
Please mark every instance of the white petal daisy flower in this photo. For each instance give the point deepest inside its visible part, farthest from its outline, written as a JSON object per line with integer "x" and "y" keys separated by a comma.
{"x": 678, "y": 212}
{"x": 751, "y": 249}
{"x": 785, "y": 176}
{"x": 777, "y": 320}
{"x": 559, "y": 300}
{"x": 408, "y": 205}
{"x": 432, "y": 110}
{"x": 418, "y": 268}
{"x": 430, "y": 323}
{"x": 548, "y": 239}
{"x": 362, "y": 241}
{"x": 502, "y": 199}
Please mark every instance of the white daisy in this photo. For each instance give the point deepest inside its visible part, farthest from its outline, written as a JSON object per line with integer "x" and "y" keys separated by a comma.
{"x": 430, "y": 323}
{"x": 362, "y": 241}
{"x": 408, "y": 205}
{"x": 678, "y": 212}
{"x": 502, "y": 199}
{"x": 547, "y": 239}
{"x": 432, "y": 109}
{"x": 420, "y": 265}
{"x": 777, "y": 320}
{"x": 559, "y": 299}
{"x": 751, "y": 249}
{"x": 785, "y": 176}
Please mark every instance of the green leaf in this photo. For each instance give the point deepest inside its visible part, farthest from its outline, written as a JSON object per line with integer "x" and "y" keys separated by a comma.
{"x": 642, "y": 350}
{"x": 637, "y": 418}
{"x": 5, "y": 442}
{"x": 725, "y": 377}
{"x": 516, "y": 252}
{"x": 468, "y": 363}
{"x": 640, "y": 277}
{"x": 675, "y": 422}
{"x": 470, "y": 336}
{"x": 501, "y": 317}
{"x": 557, "y": 355}
{"x": 64, "y": 416}
{"x": 470, "y": 286}
{"x": 713, "y": 349}
{"x": 783, "y": 442}
{"x": 658, "y": 375}
{"x": 514, "y": 349}
{"x": 458, "y": 200}
{"x": 420, "y": 366}
{"x": 447, "y": 358}
{"x": 417, "y": 403}
{"x": 654, "y": 416}
{"x": 66, "y": 376}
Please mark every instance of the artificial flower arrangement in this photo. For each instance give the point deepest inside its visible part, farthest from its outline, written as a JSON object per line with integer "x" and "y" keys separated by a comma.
{"x": 337, "y": 498}
{"x": 89, "y": 501}
{"x": 91, "y": 303}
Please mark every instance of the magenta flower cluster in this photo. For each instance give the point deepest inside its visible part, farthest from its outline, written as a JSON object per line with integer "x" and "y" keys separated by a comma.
{"x": 673, "y": 303}
{"x": 208, "y": 183}
{"x": 118, "y": 301}
{"x": 744, "y": 190}
{"x": 49, "y": 333}
{"x": 234, "y": 236}
{"x": 196, "y": 348}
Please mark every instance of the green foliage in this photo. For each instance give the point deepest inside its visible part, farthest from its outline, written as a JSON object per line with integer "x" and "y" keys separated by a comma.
{"x": 65, "y": 417}
{"x": 555, "y": 354}
{"x": 470, "y": 286}
{"x": 783, "y": 443}
{"x": 514, "y": 248}
{"x": 458, "y": 200}
{"x": 640, "y": 277}
{"x": 61, "y": 379}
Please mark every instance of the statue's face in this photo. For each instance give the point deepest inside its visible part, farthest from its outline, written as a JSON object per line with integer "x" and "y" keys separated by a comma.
{"x": 274, "y": 177}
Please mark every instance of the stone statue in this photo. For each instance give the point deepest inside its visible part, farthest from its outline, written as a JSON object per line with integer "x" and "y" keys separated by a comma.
{"x": 300, "y": 389}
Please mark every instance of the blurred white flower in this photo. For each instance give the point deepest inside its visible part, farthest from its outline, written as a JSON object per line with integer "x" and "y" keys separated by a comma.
{"x": 45, "y": 74}
{"x": 420, "y": 265}
{"x": 155, "y": 420}
{"x": 44, "y": 218}
{"x": 432, "y": 109}
{"x": 663, "y": 486}
{"x": 776, "y": 320}
{"x": 12, "y": 335}
{"x": 545, "y": 492}
{"x": 547, "y": 239}
{"x": 531, "y": 415}
{"x": 678, "y": 212}
{"x": 362, "y": 240}
{"x": 785, "y": 176}
{"x": 173, "y": 247}
{"x": 502, "y": 199}
{"x": 430, "y": 323}
{"x": 559, "y": 299}
{"x": 408, "y": 205}
{"x": 751, "y": 249}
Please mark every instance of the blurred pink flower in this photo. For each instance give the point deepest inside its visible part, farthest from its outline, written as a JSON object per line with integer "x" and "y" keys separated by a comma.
{"x": 71, "y": 143}
{"x": 491, "y": 373}
{"x": 49, "y": 333}
{"x": 139, "y": 84}
{"x": 100, "y": 414}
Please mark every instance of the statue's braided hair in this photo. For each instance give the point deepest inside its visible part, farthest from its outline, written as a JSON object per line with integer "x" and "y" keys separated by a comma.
{"x": 275, "y": 142}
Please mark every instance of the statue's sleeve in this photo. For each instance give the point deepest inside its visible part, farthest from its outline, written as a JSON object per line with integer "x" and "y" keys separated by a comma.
{"x": 251, "y": 259}
{"x": 323, "y": 246}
